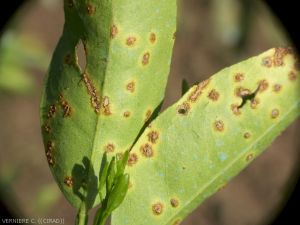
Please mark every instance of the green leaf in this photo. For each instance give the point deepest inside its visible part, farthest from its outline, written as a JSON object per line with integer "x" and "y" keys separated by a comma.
{"x": 111, "y": 175}
{"x": 102, "y": 107}
{"x": 213, "y": 132}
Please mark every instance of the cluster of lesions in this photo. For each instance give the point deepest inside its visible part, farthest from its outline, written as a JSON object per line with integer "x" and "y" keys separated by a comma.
{"x": 158, "y": 207}
{"x": 195, "y": 93}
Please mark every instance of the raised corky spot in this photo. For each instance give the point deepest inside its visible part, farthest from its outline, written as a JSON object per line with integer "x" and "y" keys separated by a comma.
{"x": 109, "y": 148}
{"x": 213, "y": 95}
{"x": 146, "y": 58}
{"x": 157, "y": 208}
{"x": 132, "y": 159}
{"x": 126, "y": 114}
{"x": 238, "y": 77}
{"x": 152, "y": 38}
{"x": 274, "y": 113}
{"x": 113, "y": 31}
{"x": 235, "y": 109}
{"x": 147, "y": 150}
{"x": 91, "y": 9}
{"x": 130, "y": 86}
{"x": 219, "y": 125}
{"x": 130, "y": 41}
{"x": 51, "y": 111}
{"x": 68, "y": 181}
{"x": 174, "y": 202}
{"x": 277, "y": 88}
{"x": 198, "y": 90}
{"x": 106, "y": 105}
{"x": 184, "y": 108}
{"x": 94, "y": 97}
{"x": 153, "y": 136}
{"x": 65, "y": 106}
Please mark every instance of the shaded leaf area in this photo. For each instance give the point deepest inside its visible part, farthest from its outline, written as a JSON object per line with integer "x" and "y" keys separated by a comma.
{"x": 214, "y": 131}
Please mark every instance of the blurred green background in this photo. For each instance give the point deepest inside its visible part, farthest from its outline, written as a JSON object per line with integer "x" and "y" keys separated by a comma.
{"x": 212, "y": 34}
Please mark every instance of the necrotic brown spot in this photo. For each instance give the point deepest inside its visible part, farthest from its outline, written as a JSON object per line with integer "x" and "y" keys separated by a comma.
{"x": 95, "y": 99}
{"x": 235, "y": 109}
{"x": 247, "y": 135}
{"x": 68, "y": 181}
{"x": 130, "y": 41}
{"x": 277, "y": 87}
{"x": 241, "y": 92}
{"x": 68, "y": 59}
{"x": 239, "y": 77}
{"x": 106, "y": 105}
{"x": 50, "y": 159}
{"x": 249, "y": 157}
{"x": 153, "y": 137}
{"x": 146, "y": 150}
{"x": 148, "y": 115}
{"x": 254, "y": 103}
{"x": 152, "y": 38}
{"x": 113, "y": 31}
{"x": 65, "y": 106}
{"x": 213, "y": 95}
{"x": 130, "y": 86}
{"x": 51, "y": 111}
{"x": 174, "y": 202}
{"x": 157, "y": 208}
{"x": 146, "y": 58}
{"x": 274, "y": 113}
{"x": 263, "y": 85}
{"x": 109, "y": 148}
{"x": 132, "y": 159}
{"x": 177, "y": 222}
{"x": 267, "y": 62}
{"x": 183, "y": 109}
{"x": 126, "y": 114}
{"x": 292, "y": 76}
{"x": 198, "y": 90}
{"x": 90, "y": 9}
{"x": 70, "y": 3}
{"x": 47, "y": 128}
{"x": 219, "y": 125}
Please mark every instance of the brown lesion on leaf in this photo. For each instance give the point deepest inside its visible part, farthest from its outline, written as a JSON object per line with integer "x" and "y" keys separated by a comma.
{"x": 292, "y": 76}
{"x": 219, "y": 125}
{"x": 250, "y": 157}
{"x": 198, "y": 90}
{"x": 213, "y": 95}
{"x": 67, "y": 110}
{"x": 70, "y": 3}
{"x": 47, "y": 128}
{"x": 132, "y": 159}
{"x": 146, "y": 58}
{"x": 130, "y": 41}
{"x": 277, "y": 88}
{"x": 109, "y": 148}
{"x": 126, "y": 114}
{"x": 254, "y": 103}
{"x": 94, "y": 97}
{"x": 49, "y": 153}
{"x": 68, "y": 59}
{"x": 177, "y": 222}
{"x": 153, "y": 136}
{"x": 106, "y": 105}
{"x": 274, "y": 113}
{"x": 247, "y": 135}
{"x": 51, "y": 111}
{"x": 157, "y": 208}
{"x": 238, "y": 77}
{"x": 235, "y": 109}
{"x": 68, "y": 181}
{"x": 242, "y": 92}
{"x": 146, "y": 150}
{"x": 148, "y": 115}
{"x": 91, "y": 9}
{"x": 174, "y": 202}
{"x": 113, "y": 31}
{"x": 263, "y": 85}
{"x": 130, "y": 86}
{"x": 184, "y": 108}
{"x": 152, "y": 38}
{"x": 277, "y": 59}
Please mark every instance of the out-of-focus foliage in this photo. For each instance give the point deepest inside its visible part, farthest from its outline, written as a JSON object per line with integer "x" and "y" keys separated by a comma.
{"x": 18, "y": 55}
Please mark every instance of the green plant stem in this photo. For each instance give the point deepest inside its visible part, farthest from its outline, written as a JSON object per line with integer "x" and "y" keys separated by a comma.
{"x": 82, "y": 217}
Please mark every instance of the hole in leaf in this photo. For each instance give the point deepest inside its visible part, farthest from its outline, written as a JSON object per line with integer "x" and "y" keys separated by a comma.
{"x": 81, "y": 56}
{"x": 249, "y": 97}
